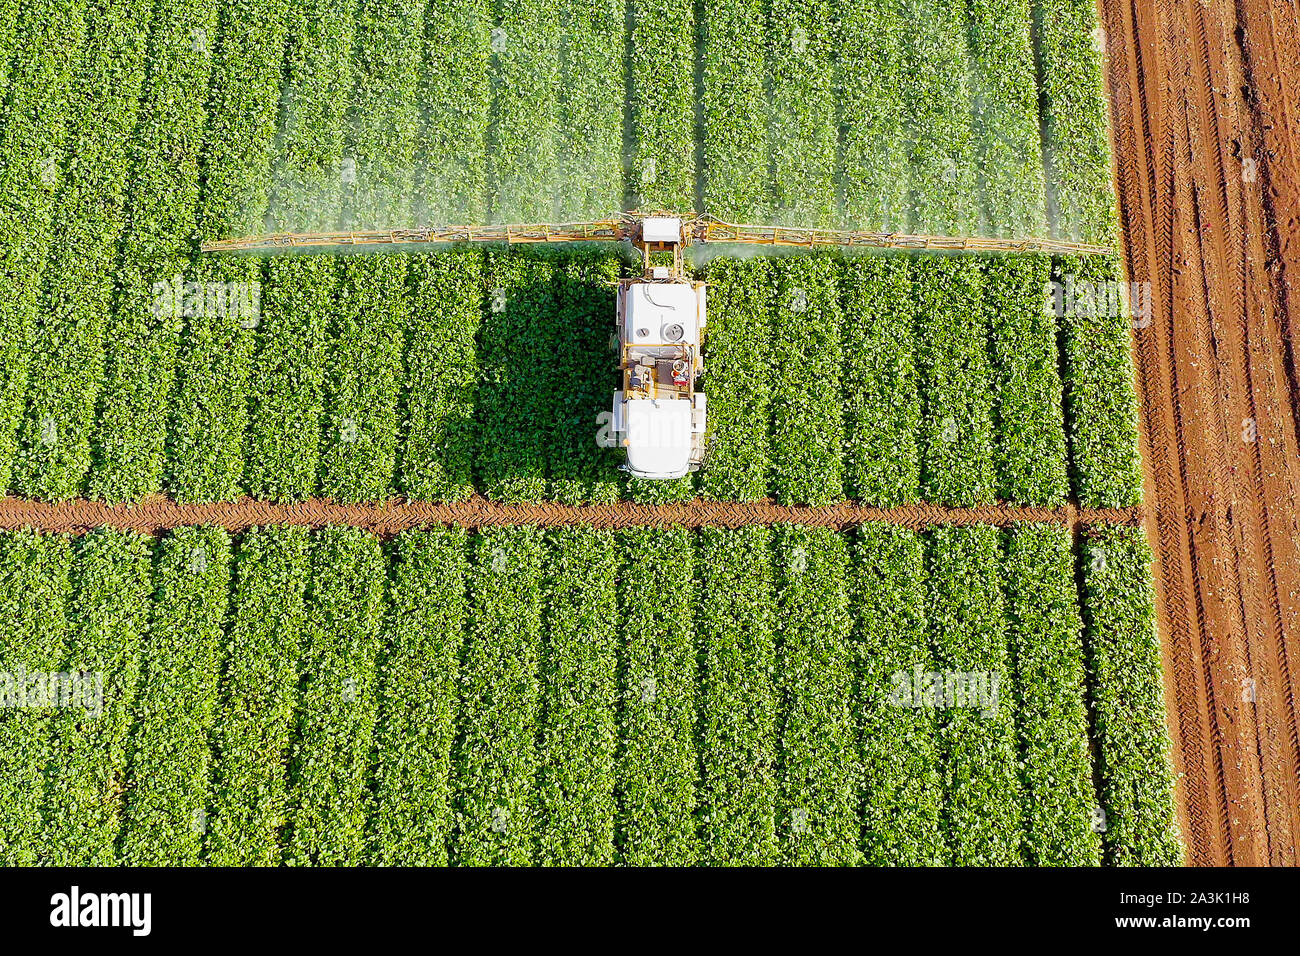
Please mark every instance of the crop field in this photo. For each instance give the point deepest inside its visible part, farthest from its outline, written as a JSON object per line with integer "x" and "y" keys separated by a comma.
{"x": 959, "y": 689}
{"x": 434, "y": 376}
{"x": 567, "y": 697}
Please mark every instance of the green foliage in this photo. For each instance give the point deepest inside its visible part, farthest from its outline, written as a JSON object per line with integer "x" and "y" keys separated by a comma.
{"x": 496, "y": 761}
{"x": 872, "y": 57}
{"x": 258, "y": 693}
{"x": 658, "y": 768}
{"x": 937, "y": 121}
{"x": 1101, "y": 408}
{"x": 802, "y": 130}
{"x": 579, "y": 729}
{"x": 589, "y": 128}
{"x": 1081, "y": 198}
{"x": 738, "y": 702}
{"x": 454, "y": 97}
{"x": 441, "y": 376}
{"x": 737, "y": 365}
{"x": 1128, "y": 701}
{"x": 330, "y": 759}
{"x": 1004, "y": 97}
{"x": 663, "y": 105}
{"x": 882, "y": 407}
{"x": 167, "y": 781}
{"x": 582, "y": 379}
{"x": 359, "y": 442}
{"x": 424, "y": 631}
{"x": 1029, "y": 453}
{"x": 735, "y": 150}
{"x": 210, "y": 407}
{"x": 109, "y": 621}
{"x": 247, "y": 71}
{"x": 1045, "y": 631}
{"x": 982, "y": 811}
{"x": 33, "y": 605}
{"x": 514, "y": 374}
{"x": 522, "y": 171}
{"x": 901, "y": 784}
{"x": 956, "y": 440}
{"x": 309, "y": 164}
{"x": 807, "y": 413}
{"x": 817, "y": 821}
{"x": 68, "y": 350}
{"x": 384, "y": 117}
{"x": 286, "y": 389}
{"x": 37, "y": 113}
{"x": 140, "y": 342}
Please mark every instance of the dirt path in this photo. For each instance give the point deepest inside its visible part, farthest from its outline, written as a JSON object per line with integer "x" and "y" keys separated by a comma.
{"x": 1207, "y": 177}
{"x": 388, "y": 518}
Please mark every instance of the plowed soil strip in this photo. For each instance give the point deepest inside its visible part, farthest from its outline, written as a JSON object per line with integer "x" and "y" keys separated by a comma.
{"x": 1207, "y": 174}
{"x": 390, "y": 517}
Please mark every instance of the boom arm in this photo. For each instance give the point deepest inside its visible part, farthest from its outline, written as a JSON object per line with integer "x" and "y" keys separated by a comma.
{"x": 701, "y": 229}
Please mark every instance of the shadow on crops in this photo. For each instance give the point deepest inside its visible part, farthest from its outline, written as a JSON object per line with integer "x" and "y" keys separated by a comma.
{"x": 547, "y": 371}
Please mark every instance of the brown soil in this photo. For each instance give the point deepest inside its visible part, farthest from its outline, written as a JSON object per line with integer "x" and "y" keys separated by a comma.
{"x": 388, "y": 518}
{"x": 1203, "y": 101}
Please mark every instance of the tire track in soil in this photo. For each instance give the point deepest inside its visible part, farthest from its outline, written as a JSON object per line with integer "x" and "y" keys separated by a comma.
{"x": 1209, "y": 83}
{"x": 1137, "y": 90}
{"x": 158, "y": 514}
{"x": 1135, "y": 173}
{"x": 1246, "y": 391}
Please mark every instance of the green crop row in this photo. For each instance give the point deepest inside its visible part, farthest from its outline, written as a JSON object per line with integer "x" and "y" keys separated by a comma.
{"x": 496, "y": 764}
{"x": 734, "y": 98}
{"x": 956, "y": 434}
{"x": 1004, "y": 98}
{"x": 589, "y": 133}
{"x": 168, "y": 771}
{"x": 259, "y": 695}
{"x": 1030, "y": 436}
{"x": 807, "y": 414}
{"x": 902, "y": 788}
{"x": 108, "y": 624}
{"x": 329, "y": 765}
{"x": 522, "y": 175}
{"x": 937, "y": 122}
{"x": 818, "y": 808}
{"x": 411, "y": 818}
{"x": 579, "y": 700}
{"x": 308, "y": 165}
{"x": 441, "y": 376}
{"x": 1076, "y": 140}
{"x": 872, "y": 55}
{"x": 141, "y": 341}
{"x": 1127, "y": 690}
{"x": 662, "y": 105}
{"x": 658, "y": 763}
{"x": 882, "y": 407}
{"x": 33, "y": 604}
{"x": 37, "y": 117}
{"x": 737, "y": 363}
{"x": 384, "y": 118}
{"x": 977, "y": 741}
{"x": 802, "y": 128}
{"x": 210, "y": 410}
{"x": 586, "y": 697}
{"x": 736, "y": 627}
{"x": 1045, "y": 636}
{"x": 1101, "y": 407}
{"x": 67, "y": 355}
{"x": 454, "y": 98}
{"x": 359, "y": 437}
